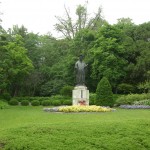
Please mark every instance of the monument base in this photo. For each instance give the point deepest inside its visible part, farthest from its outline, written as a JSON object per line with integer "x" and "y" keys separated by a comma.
{"x": 80, "y": 95}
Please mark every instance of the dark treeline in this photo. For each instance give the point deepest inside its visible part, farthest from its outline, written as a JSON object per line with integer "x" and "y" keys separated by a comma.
{"x": 40, "y": 65}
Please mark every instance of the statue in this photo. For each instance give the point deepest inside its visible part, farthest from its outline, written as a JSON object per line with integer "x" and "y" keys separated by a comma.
{"x": 80, "y": 71}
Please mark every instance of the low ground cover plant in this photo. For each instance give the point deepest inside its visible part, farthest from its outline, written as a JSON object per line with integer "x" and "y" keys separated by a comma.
{"x": 29, "y": 128}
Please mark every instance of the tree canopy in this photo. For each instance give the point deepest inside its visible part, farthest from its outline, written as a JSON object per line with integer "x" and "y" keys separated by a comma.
{"x": 41, "y": 65}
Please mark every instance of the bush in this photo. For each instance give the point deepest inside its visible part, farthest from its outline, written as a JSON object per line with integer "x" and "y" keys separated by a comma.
{"x": 142, "y": 102}
{"x": 46, "y": 103}
{"x": 13, "y": 102}
{"x": 25, "y": 103}
{"x": 104, "y": 95}
{"x": 35, "y": 103}
{"x": 6, "y": 96}
{"x": 66, "y": 91}
{"x": 92, "y": 98}
{"x": 131, "y": 98}
{"x": 57, "y": 97}
{"x": 67, "y": 102}
{"x": 56, "y": 102}
{"x": 125, "y": 88}
{"x": 3, "y": 105}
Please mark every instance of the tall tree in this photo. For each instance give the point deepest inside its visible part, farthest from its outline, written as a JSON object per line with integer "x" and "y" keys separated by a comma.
{"x": 108, "y": 53}
{"x": 69, "y": 28}
{"x": 15, "y": 64}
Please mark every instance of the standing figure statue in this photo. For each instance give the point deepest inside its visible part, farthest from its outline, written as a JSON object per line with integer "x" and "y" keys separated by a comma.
{"x": 80, "y": 71}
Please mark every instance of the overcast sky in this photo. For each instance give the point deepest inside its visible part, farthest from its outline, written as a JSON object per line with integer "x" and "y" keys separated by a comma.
{"x": 39, "y": 15}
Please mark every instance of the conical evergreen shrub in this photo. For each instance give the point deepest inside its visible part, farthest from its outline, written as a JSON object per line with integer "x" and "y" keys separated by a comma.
{"x": 104, "y": 95}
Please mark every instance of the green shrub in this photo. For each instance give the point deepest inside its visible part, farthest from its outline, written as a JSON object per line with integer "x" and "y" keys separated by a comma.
{"x": 66, "y": 91}
{"x": 142, "y": 102}
{"x": 56, "y": 102}
{"x": 46, "y": 103}
{"x": 35, "y": 103}
{"x": 25, "y": 103}
{"x": 104, "y": 95}
{"x": 57, "y": 97}
{"x": 125, "y": 88}
{"x": 92, "y": 98}
{"x": 6, "y": 96}
{"x": 131, "y": 98}
{"x": 67, "y": 102}
{"x": 13, "y": 102}
{"x": 3, "y": 104}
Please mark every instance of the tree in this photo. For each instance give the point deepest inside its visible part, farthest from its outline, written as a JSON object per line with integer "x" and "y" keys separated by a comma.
{"x": 104, "y": 95}
{"x": 15, "y": 64}
{"x": 108, "y": 55}
{"x": 69, "y": 28}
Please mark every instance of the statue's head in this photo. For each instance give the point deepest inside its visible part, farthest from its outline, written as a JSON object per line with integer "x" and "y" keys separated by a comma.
{"x": 81, "y": 57}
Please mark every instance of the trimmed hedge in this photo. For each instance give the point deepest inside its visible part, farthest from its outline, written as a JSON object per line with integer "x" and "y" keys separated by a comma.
{"x": 46, "y": 103}
{"x": 104, "y": 95}
{"x": 13, "y": 102}
{"x": 35, "y": 103}
{"x": 92, "y": 98}
{"x": 25, "y": 103}
{"x": 67, "y": 102}
{"x": 56, "y": 102}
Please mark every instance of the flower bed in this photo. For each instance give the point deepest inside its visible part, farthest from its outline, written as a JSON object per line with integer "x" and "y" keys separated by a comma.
{"x": 79, "y": 108}
{"x": 84, "y": 109}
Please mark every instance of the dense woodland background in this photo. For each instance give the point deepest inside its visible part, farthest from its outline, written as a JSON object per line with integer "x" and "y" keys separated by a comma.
{"x": 41, "y": 65}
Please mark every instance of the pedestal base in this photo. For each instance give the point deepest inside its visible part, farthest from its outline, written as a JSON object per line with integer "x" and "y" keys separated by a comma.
{"x": 80, "y": 96}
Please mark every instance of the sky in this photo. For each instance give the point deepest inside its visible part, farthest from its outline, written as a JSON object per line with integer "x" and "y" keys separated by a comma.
{"x": 38, "y": 16}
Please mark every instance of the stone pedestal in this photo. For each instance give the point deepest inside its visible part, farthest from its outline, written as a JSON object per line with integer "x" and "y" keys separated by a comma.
{"x": 80, "y": 95}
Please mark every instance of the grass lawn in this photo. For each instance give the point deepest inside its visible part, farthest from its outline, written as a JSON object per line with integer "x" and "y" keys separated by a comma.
{"x": 29, "y": 128}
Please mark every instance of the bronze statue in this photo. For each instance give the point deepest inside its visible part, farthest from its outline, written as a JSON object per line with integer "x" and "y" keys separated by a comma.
{"x": 80, "y": 71}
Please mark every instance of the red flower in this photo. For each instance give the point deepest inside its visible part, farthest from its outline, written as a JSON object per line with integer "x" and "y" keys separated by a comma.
{"x": 82, "y": 102}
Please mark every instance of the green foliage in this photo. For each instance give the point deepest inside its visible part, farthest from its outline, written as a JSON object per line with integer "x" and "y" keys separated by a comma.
{"x": 13, "y": 102}
{"x": 6, "y": 96}
{"x": 57, "y": 97}
{"x": 92, "y": 98}
{"x": 30, "y": 128}
{"x": 56, "y": 102}
{"x": 108, "y": 51}
{"x": 35, "y": 103}
{"x": 66, "y": 91}
{"x": 144, "y": 86}
{"x": 125, "y": 88}
{"x": 3, "y": 104}
{"x": 131, "y": 98}
{"x": 67, "y": 102}
{"x": 142, "y": 102}
{"x": 25, "y": 103}
{"x": 51, "y": 88}
{"x": 46, "y": 102}
{"x": 104, "y": 95}
{"x": 41, "y": 65}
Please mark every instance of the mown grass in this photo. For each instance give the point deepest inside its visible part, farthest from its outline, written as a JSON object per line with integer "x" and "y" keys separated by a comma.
{"x": 29, "y": 128}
